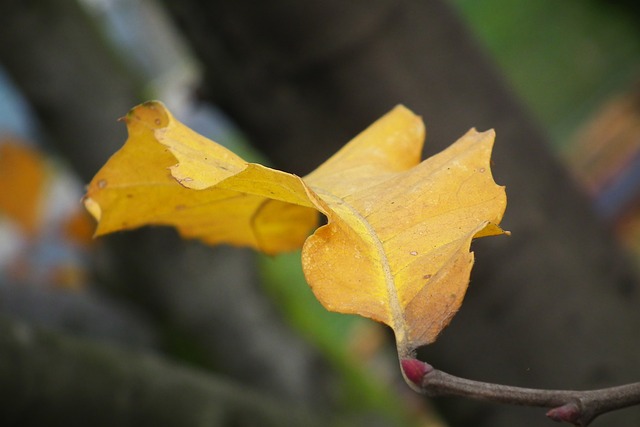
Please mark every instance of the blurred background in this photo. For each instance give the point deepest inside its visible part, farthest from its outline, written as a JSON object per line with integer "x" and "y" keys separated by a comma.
{"x": 142, "y": 328}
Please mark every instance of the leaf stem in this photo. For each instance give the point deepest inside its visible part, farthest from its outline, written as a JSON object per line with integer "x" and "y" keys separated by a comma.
{"x": 572, "y": 406}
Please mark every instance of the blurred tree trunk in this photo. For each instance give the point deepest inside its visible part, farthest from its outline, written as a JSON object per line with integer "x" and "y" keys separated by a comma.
{"x": 207, "y": 302}
{"x": 53, "y": 380}
{"x": 556, "y": 305}
{"x": 75, "y": 84}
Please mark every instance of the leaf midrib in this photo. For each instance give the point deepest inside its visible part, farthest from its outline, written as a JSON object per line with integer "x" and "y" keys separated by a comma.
{"x": 399, "y": 325}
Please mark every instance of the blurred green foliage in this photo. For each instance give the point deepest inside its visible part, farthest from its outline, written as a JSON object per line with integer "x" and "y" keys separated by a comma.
{"x": 563, "y": 58}
{"x": 333, "y": 334}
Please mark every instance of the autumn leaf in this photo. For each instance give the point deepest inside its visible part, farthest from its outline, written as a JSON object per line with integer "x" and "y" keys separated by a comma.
{"x": 396, "y": 244}
{"x": 397, "y": 250}
{"x": 215, "y": 195}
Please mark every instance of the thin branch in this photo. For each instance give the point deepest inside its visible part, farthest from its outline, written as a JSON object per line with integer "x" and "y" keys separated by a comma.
{"x": 575, "y": 407}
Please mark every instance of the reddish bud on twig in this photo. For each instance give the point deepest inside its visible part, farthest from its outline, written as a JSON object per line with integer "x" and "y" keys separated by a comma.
{"x": 414, "y": 370}
{"x": 568, "y": 413}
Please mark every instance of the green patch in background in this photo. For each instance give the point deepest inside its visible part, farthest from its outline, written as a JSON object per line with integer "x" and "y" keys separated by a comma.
{"x": 362, "y": 389}
{"x": 564, "y": 58}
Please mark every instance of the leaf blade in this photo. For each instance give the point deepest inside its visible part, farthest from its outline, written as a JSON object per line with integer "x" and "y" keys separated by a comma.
{"x": 421, "y": 218}
{"x": 396, "y": 247}
{"x": 144, "y": 184}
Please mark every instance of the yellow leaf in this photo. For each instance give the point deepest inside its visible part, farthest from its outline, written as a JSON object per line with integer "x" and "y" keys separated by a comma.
{"x": 212, "y": 199}
{"x": 397, "y": 250}
{"x": 396, "y": 245}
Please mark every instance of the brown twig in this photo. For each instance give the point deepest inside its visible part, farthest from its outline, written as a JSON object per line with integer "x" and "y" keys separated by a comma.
{"x": 575, "y": 407}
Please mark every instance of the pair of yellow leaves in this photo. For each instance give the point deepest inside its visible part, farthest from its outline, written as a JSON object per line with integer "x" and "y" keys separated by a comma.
{"x": 396, "y": 244}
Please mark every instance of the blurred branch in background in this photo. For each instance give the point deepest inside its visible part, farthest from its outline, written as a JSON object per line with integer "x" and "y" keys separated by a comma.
{"x": 59, "y": 61}
{"x": 51, "y": 379}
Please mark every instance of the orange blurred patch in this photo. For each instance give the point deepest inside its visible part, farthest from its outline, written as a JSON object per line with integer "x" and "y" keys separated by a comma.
{"x": 79, "y": 228}
{"x": 69, "y": 277}
{"x": 22, "y": 180}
